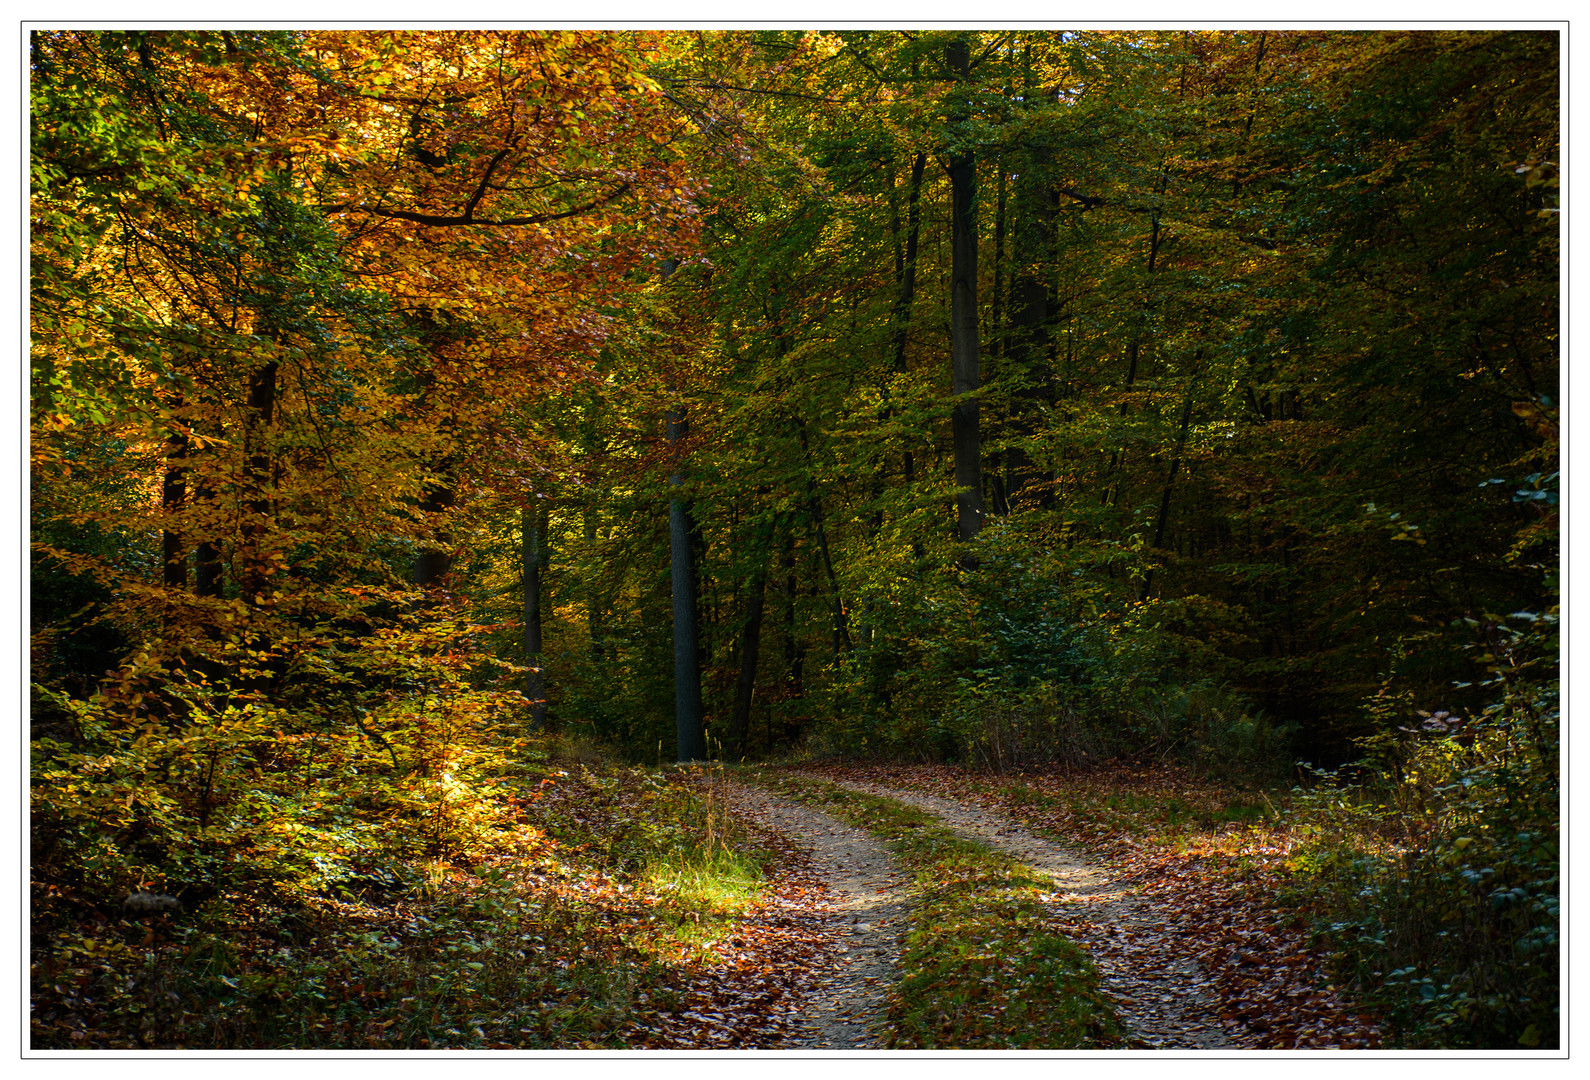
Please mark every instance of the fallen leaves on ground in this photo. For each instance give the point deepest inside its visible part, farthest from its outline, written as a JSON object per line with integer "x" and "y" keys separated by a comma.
{"x": 559, "y": 943}
{"x": 1216, "y": 886}
{"x": 749, "y": 990}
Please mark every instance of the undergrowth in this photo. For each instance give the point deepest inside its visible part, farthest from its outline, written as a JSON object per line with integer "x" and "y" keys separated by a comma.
{"x": 982, "y": 967}
{"x": 1440, "y": 863}
{"x": 580, "y": 912}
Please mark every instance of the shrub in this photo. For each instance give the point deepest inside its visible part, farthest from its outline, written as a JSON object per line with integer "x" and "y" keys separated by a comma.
{"x": 1452, "y": 923}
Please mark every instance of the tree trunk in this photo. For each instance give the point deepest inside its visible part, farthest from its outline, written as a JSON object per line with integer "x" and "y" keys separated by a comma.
{"x": 593, "y": 597}
{"x": 1030, "y": 303}
{"x": 814, "y": 506}
{"x": 905, "y": 261}
{"x": 533, "y": 558}
{"x": 1170, "y": 485}
{"x": 261, "y": 415}
{"x": 750, "y": 647}
{"x": 432, "y": 564}
{"x": 963, "y": 322}
{"x": 905, "y": 267}
{"x": 842, "y": 642}
{"x": 999, "y": 477}
{"x": 1118, "y": 457}
{"x": 173, "y": 494}
{"x": 794, "y": 652}
{"x": 902, "y": 332}
{"x": 206, "y": 556}
{"x": 689, "y": 726}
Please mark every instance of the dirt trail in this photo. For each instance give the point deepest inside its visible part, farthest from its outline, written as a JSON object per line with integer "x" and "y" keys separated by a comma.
{"x": 867, "y": 914}
{"x": 1161, "y": 993}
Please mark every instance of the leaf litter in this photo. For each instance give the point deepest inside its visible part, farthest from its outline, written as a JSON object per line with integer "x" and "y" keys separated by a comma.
{"x": 1195, "y": 947}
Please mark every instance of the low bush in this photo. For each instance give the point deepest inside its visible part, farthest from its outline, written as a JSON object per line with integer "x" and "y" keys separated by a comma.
{"x": 1450, "y": 920}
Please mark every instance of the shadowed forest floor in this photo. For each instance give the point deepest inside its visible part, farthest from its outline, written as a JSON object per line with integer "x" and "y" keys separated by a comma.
{"x": 823, "y": 907}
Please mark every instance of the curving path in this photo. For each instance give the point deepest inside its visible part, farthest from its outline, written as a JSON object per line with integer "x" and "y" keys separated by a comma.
{"x": 1161, "y": 993}
{"x": 866, "y": 914}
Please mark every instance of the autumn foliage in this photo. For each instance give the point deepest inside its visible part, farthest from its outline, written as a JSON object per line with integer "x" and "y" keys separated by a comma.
{"x": 1019, "y": 399}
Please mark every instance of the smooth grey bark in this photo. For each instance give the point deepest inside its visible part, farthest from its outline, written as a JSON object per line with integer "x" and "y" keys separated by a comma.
{"x": 207, "y": 557}
{"x": 533, "y": 559}
{"x": 998, "y": 480}
{"x": 1031, "y": 310}
{"x": 689, "y": 723}
{"x": 814, "y": 506}
{"x": 689, "y": 726}
{"x": 905, "y": 269}
{"x": 968, "y": 450}
{"x": 842, "y": 642}
{"x": 1118, "y": 457}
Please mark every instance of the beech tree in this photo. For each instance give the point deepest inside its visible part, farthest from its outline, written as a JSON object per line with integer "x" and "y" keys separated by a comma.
{"x": 1229, "y": 359}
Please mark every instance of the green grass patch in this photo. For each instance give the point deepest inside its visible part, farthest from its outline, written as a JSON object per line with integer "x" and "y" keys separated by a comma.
{"x": 700, "y": 897}
{"x": 982, "y": 966}
{"x": 1154, "y": 814}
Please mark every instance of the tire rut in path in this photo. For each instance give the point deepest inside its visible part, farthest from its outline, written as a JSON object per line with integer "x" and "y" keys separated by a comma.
{"x": 1165, "y": 1002}
{"x": 868, "y": 914}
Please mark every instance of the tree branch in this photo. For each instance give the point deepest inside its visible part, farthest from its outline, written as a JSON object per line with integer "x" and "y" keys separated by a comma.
{"x": 468, "y": 218}
{"x": 480, "y": 190}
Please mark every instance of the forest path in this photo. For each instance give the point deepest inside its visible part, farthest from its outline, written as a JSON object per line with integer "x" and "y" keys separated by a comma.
{"x": 1160, "y": 991}
{"x": 866, "y": 910}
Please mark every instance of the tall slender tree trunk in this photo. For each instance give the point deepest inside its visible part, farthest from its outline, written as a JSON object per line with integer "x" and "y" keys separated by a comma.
{"x": 750, "y": 645}
{"x": 903, "y": 306}
{"x": 906, "y": 242}
{"x": 998, "y": 478}
{"x": 533, "y": 560}
{"x": 261, "y": 416}
{"x": 173, "y": 494}
{"x": 1030, "y": 302}
{"x": 593, "y": 595}
{"x": 1170, "y": 484}
{"x": 1118, "y": 457}
{"x": 794, "y": 651}
{"x": 996, "y": 317}
{"x": 814, "y": 506}
{"x": 905, "y": 268}
{"x": 689, "y": 725}
{"x": 963, "y": 321}
{"x": 841, "y": 619}
{"x": 207, "y": 580}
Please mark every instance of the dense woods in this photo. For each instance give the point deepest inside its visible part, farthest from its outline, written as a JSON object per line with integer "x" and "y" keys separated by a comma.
{"x": 407, "y": 405}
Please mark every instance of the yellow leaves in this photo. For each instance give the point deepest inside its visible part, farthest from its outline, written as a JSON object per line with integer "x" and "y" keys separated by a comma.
{"x": 51, "y": 422}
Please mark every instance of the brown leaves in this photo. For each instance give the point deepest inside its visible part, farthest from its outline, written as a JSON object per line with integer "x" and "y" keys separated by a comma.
{"x": 750, "y": 992}
{"x": 1213, "y": 891}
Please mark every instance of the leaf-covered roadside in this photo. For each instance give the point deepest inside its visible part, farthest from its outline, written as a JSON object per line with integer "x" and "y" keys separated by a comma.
{"x": 984, "y": 964}
{"x": 621, "y": 908}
